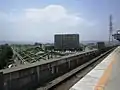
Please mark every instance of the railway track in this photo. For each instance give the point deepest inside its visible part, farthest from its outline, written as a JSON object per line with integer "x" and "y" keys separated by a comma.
{"x": 67, "y": 80}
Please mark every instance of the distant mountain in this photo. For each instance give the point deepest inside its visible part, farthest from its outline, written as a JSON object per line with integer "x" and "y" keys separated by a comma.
{"x": 22, "y": 42}
{"x": 106, "y": 42}
{"x": 15, "y": 42}
{"x": 86, "y": 42}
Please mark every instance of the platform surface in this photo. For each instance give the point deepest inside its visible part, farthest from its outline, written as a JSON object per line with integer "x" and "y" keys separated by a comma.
{"x": 105, "y": 76}
{"x": 113, "y": 82}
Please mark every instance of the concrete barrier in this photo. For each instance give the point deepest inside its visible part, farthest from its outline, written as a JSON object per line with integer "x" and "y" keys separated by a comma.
{"x": 1, "y": 81}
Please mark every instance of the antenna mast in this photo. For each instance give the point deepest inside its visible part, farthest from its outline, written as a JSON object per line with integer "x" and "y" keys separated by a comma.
{"x": 110, "y": 30}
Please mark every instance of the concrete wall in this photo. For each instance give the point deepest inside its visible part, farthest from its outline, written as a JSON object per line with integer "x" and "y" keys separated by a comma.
{"x": 1, "y": 81}
{"x": 28, "y": 77}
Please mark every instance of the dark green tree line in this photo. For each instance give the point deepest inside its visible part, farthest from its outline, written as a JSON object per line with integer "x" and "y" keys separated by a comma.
{"x": 6, "y": 54}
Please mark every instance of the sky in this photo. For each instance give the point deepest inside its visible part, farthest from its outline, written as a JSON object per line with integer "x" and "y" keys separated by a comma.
{"x": 39, "y": 20}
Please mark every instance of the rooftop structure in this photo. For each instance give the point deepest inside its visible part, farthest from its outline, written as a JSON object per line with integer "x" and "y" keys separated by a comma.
{"x": 117, "y": 35}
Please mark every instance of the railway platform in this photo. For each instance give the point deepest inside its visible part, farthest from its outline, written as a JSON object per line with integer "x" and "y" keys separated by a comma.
{"x": 105, "y": 76}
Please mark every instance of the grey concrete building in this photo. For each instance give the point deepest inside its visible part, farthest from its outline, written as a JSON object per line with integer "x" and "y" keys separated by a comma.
{"x": 66, "y": 41}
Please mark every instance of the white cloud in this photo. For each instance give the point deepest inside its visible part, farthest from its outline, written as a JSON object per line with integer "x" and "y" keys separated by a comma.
{"x": 49, "y": 13}
{"x": 41, "y": 24}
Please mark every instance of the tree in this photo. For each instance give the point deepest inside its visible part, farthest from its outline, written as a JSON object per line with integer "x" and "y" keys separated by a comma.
{"x": 6, "y": 54}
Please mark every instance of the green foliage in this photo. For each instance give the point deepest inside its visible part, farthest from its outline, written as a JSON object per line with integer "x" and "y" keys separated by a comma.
{"x": 5, "y": 55}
